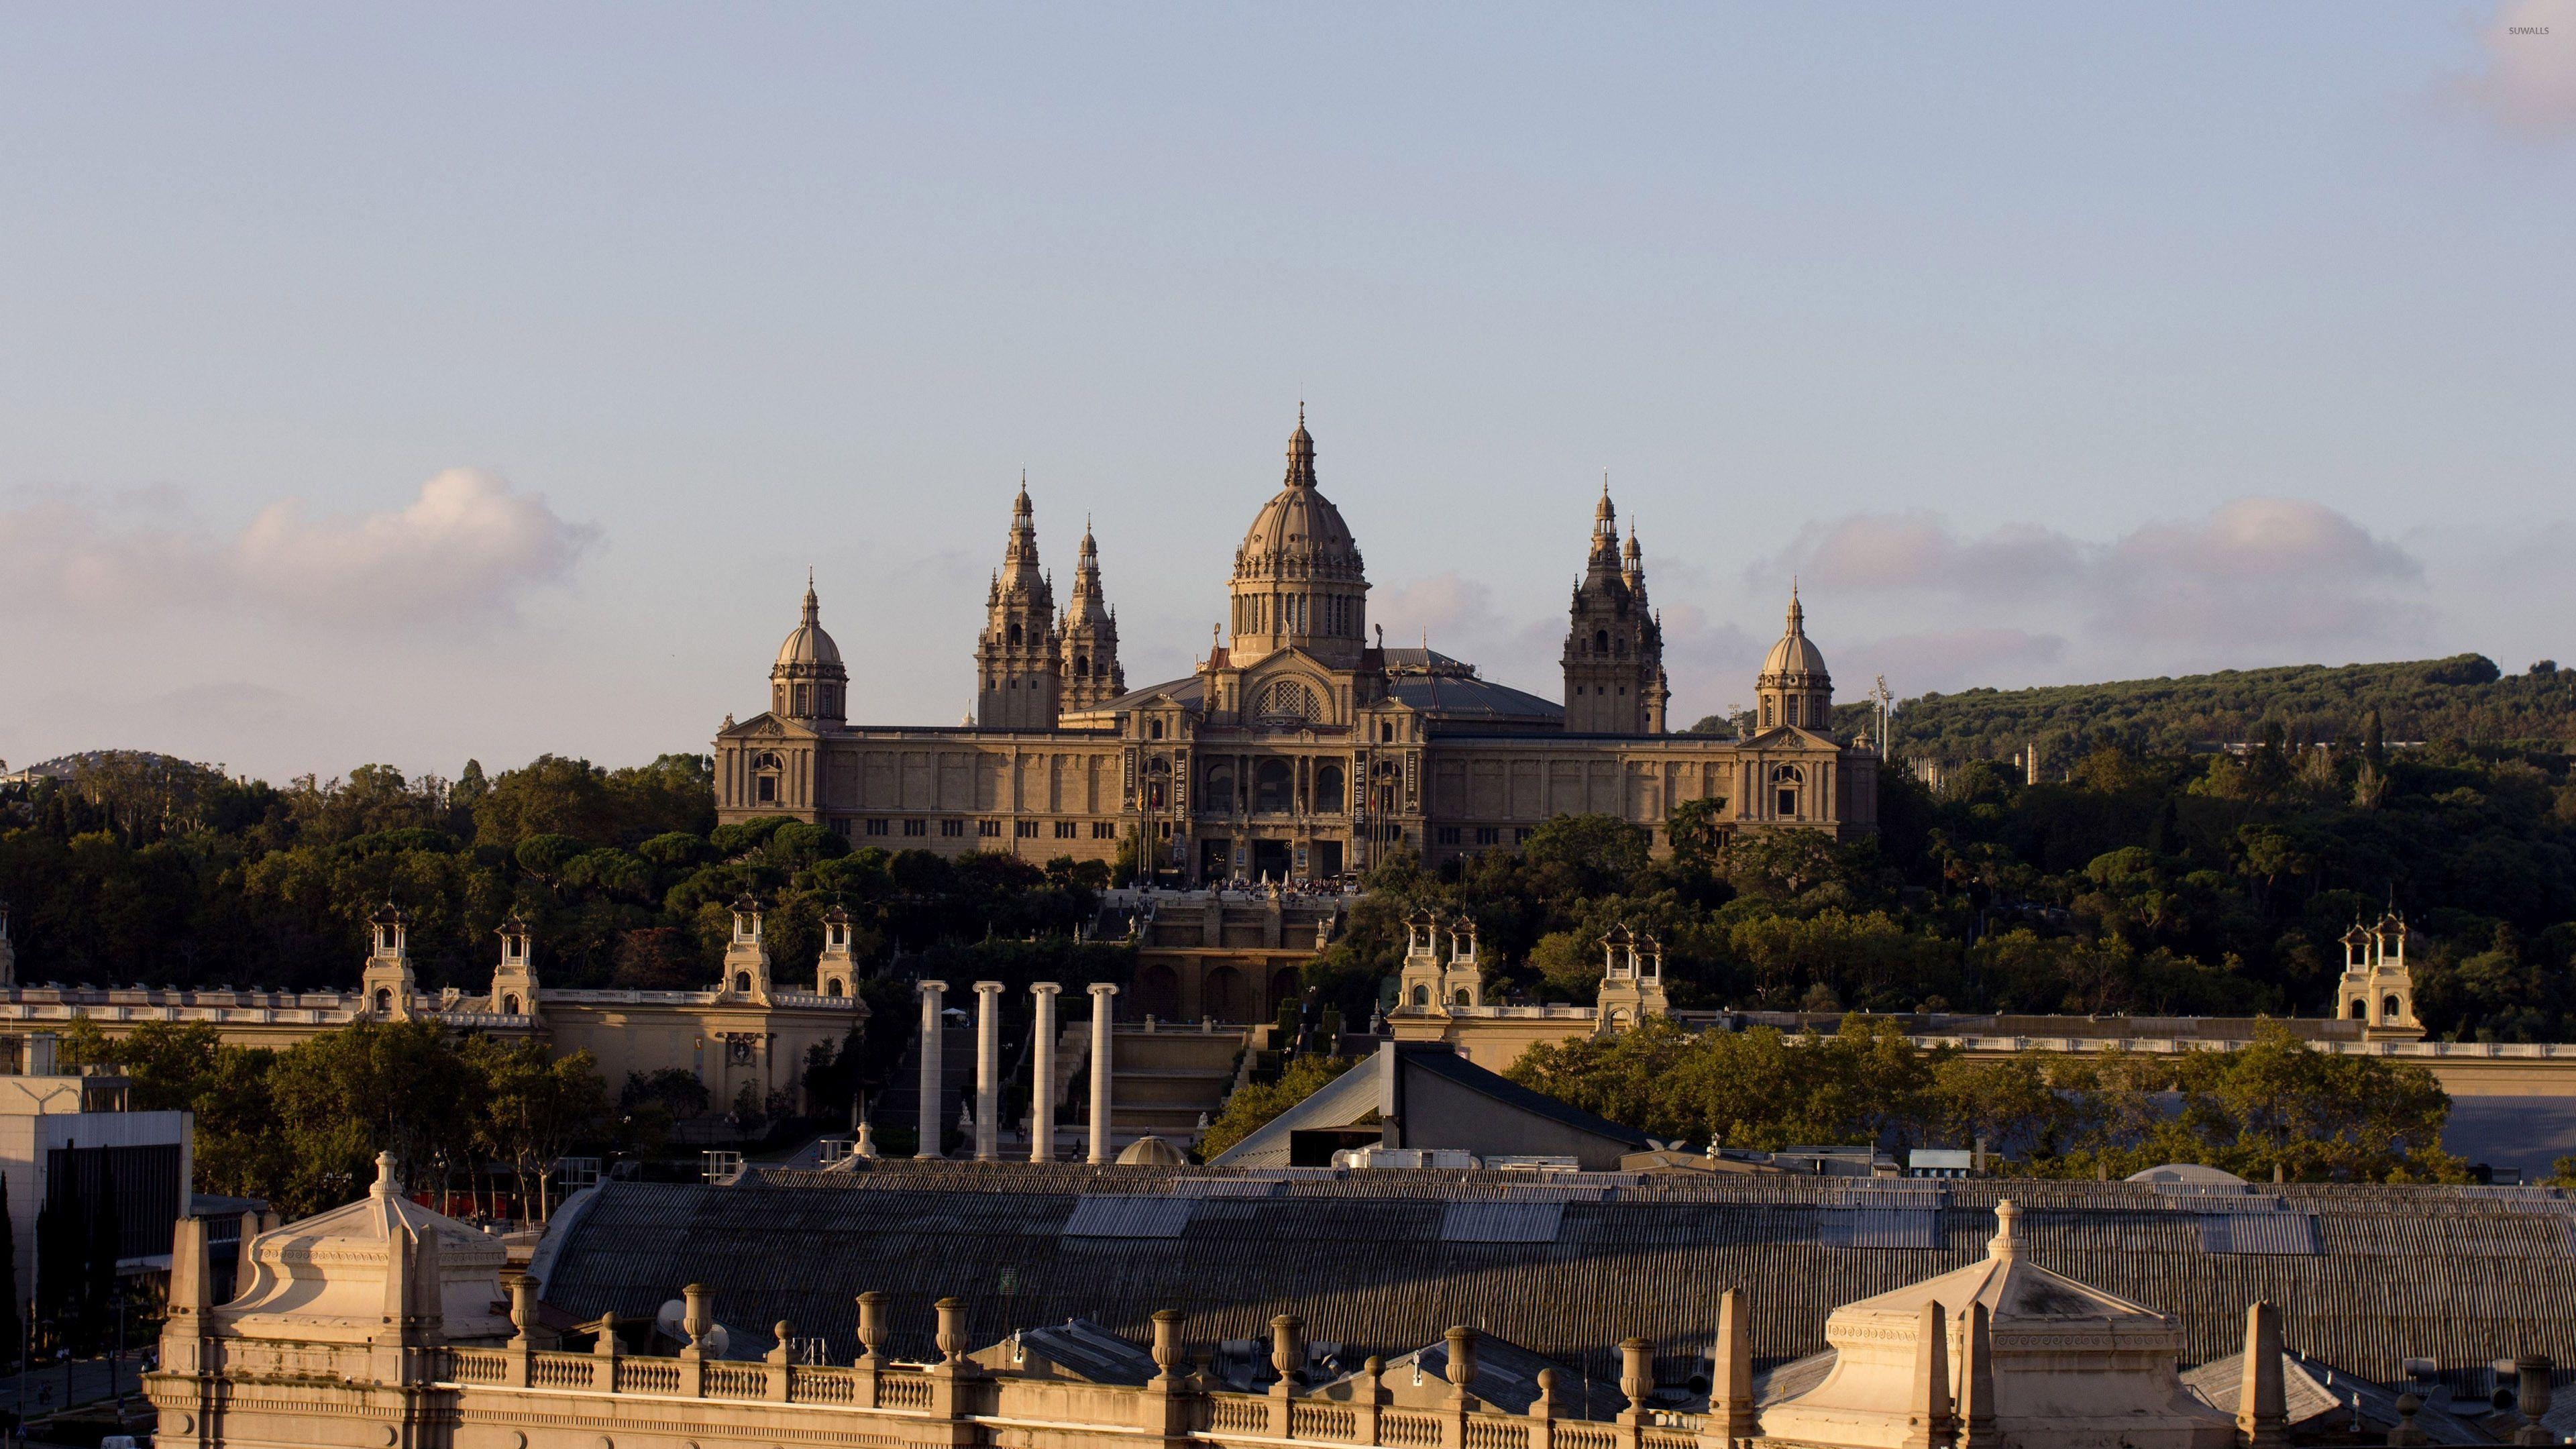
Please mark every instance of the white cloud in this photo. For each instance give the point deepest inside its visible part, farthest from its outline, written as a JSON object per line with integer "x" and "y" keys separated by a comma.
{"x": 467, "y": 548}
{"x": 1916, "y": 550}
{"x": 2524, "y": 79}
{"x": 2255, "y": 577}
{"x": 1953, "y": 658}
{"x": 2286, "y": 570}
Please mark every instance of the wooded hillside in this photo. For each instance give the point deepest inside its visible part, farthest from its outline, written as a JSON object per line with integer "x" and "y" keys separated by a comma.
{"x": 2463, "y": 698}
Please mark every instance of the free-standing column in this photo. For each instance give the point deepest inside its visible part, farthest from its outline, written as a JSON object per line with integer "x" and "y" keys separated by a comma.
{"x": 933, "y": 994}
{"x": 988, "y": 1047}
{"x": 1100, "y": 997}
{"x": 1042, "y": 1076}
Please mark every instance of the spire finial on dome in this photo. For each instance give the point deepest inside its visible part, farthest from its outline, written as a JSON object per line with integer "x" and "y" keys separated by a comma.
{"x": 813, "y": 606}
{"x": 1301, "y": 453}
{"x": 1797, "y": 612}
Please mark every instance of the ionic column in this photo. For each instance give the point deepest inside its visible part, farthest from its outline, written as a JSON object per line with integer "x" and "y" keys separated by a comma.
{"x": 1042, "y": 1084}
{"x": 1101, "y": 993}
{"x": 988, "y": 1048}
{"x": 933, "y": 994}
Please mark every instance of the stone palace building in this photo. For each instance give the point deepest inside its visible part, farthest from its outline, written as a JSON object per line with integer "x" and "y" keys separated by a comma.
{"x": 1301, "y": 747}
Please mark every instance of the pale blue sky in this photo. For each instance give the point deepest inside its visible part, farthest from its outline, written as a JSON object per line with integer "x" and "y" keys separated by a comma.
{"x": 2047, "y": 342}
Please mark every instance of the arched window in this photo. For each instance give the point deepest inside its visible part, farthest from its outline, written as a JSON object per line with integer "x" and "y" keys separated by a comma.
{"x": 1785, "y": 782}
{"x": 2360, "y": 1009}
{"x": 1273, "y": 783}
{"x": 509, "y": 1006}
{"x": 1015, "y": 633}
{"x": 1600, "y": 641}
{"x": 1462, "y": 997}
{"x": 2389, "y": 1010}
{"x": 1328, "y": 789}
{"x": 1216, "y": 789}
{"x": 742, "y": 981}
{"x": 384, "y": 999}
{"x": 1154, "y": 729}
{"x": 1619, "y": 646}
{"x": 1286, "y": 699}
{"x": 832, "y": 987}
{"x": 1422, "y": 996}
{"x": 1082, "y": 666}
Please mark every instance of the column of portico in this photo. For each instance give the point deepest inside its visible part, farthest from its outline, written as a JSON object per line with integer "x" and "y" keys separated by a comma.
{"x": 988, "y": 1047}
{"x": 1042, "y": 1082}
{"x": 933, "y": 994}
{"x": 1101, "y": 994}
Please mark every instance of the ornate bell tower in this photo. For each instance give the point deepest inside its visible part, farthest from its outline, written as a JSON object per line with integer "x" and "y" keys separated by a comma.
{"x": 1018, "y": 659}
{"x": 1089, "y": 668}
{"x": 1614, "y": 647}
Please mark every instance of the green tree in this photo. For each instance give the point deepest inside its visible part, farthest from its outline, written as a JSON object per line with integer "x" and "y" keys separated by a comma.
{"x": 1252, "y": 1106}
{"x": 345, "y": 1095}
{"x": 536, "y": 1106}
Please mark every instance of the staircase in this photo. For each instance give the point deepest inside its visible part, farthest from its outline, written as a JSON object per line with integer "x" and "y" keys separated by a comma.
{"x": 1165, "y": 1078}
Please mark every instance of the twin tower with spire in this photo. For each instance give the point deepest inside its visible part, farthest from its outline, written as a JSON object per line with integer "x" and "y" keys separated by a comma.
{"x": 1614, "y": 646}
{"x": 1029, "y": 668}
{"x": 1029, "y": 672}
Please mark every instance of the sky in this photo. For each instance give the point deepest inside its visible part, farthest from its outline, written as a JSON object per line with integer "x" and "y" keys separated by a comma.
{"x": 416, "y": 384}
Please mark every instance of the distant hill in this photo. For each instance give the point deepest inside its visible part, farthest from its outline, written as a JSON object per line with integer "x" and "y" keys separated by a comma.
{"x": 2464, "y": 697}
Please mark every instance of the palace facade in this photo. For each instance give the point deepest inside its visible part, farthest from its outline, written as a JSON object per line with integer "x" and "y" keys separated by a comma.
{"x": 1301, "y": 746}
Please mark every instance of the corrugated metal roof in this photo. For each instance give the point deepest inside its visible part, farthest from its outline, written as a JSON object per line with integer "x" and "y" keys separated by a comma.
{"x": 1879, "y": 1228}
{"x": 1119, "y": 1216}
{"x": 2258, "y": 1233}
{"x": 1228, "y": 1187}
{"x": 1362, "y": 1258}
{"x": 1501, "y": 1222}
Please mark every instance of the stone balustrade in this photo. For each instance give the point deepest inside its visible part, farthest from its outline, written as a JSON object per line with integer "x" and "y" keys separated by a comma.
{"x": 989, "y": 1408}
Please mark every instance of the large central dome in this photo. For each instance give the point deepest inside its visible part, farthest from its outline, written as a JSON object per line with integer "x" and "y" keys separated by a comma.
{"x": 1298, "y": 533}
{"x": 1298, "y": 579}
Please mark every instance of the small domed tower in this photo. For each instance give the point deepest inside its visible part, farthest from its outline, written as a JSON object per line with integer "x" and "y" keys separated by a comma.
{"x": 1614, "y": 648}
{"x": 1794, "y": 688}
{"x": 1090, "y": 664}
{"x": 1017, "y": 661}
{"x": 387, "y": 981}
{"x": 808, "y": 683}
{"x": 514, "y": 980}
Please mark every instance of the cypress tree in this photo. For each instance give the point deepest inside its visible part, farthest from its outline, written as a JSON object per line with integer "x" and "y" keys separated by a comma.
{"x": 55, "y": 1268}
{"x": 99, "y": 1279}
{"x": 12, "y": 1331}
